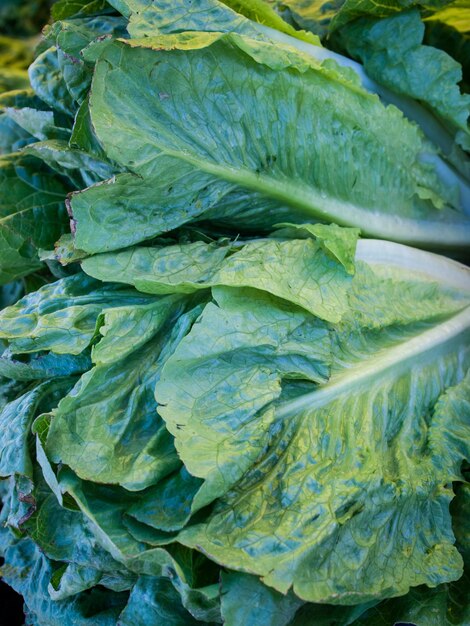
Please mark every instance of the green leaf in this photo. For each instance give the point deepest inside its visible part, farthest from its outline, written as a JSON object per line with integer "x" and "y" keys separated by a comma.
{"x": 42, "y": 366}
{"x": 12, "y": 136}
{"x": 260, "y": 11}
{"x": 83, "y": 135}
{"x": 246, "y": 369}
{"x": 245, "y": 600}
{"x": 339, "y": 242}
{"x": 353, "y": 9}
{"x": 282, "y": 268}
{"x": 342, "y": 509}
{"x": 392, "y": 53}
{"x": 70, "y": 39}
{"x": 174, "y": 17}
{"x": 62, "y": 316}
{"x": 155, "y": 601}
{"x": 445, "y": 605}
{"x": 16, "y": 419}
{"x": 207, "y": 16}
{"x": 79, "y": 167}
{"x": 241, "y": 149}
{"x": 29, "y": 573}
{"x": 64, "y": 9}
{"x": 313, "y": 15}
{"x": 168, "y": 505}
{"x": 113, "y": 408}
{"x": 32, "y": 214}
{"x": 37, "y": 122}
{"x": 48, "y": 82}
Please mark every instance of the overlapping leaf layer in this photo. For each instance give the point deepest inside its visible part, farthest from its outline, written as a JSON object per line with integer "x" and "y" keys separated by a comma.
{"x": 221, "y": 401}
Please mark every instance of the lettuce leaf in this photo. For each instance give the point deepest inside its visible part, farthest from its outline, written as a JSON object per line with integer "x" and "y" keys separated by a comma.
{"x": 203, "y": 165}
{"x": 32, "y": 214}
{"x": 283, "y": 517}
{"x": 392, "y": 53}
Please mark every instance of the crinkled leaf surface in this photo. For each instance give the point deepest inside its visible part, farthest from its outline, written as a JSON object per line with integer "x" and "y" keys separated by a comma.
{"x": 299, "y": 271}
{"x": 265, "y": 341}
{"x": 392, "y": 53}
{"x": 108, "y": 430}
{"x": 191, "y": 156}
{"x": 341, "y": 473}
{"x": 70, "y": 38}
{"x": 241, "y": 16}
{"x": 43, "y": 365}
{"x": 16, "y": 419}
{"x": 61, "y": 316}
{"x": 446, "y": 604}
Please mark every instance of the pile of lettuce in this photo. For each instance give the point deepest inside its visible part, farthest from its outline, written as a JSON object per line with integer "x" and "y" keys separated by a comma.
{"x": 234, "y": 335}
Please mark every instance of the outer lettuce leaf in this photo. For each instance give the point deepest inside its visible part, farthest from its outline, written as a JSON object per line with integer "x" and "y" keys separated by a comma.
{"x": 70, "y": 37}
{"x": 104, "y": 507}
{"x": 78, "y": 166}
{"x": 449, "y": 29}
{"x": 392, "y": 53}
{"x": 269, "y": 523}
{"x": 16, "y": 419}
{"x": 338, "y": 242}
{"x": 62, "y": 316}
{"x": 323, "y": 17}
{"x": 279, "y": 175}
{"x": 173, "y": 17}
{"x": 63, "y": 9}
{"x": 83, "y": 134}
{"x": 37, "y": 122}
{"x": 165, "y": 507}
{"x": 313, "y": 15}
{"x": 13, "y": 136}
{"x": 85, "y": 562}
{"x": 155, "y": 601}
{"x": 260, "y": 11}
{"x": 32, "y": 214}
{"x": 444, "y": 605}
{"x": 10, "y": 293}
{"x": 113, "y": 408}
{"x": 246, "y": 600}
{"x": 241, "y": 16}
{"x": 48, "y": 82}
{"x": 282, "y": 268}
{"x": 29, "y": 573}
{"x": 260, "y": 350}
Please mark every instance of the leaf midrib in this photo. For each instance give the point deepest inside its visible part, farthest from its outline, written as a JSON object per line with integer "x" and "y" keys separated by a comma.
{"x": 323, "y": 206}
{"x": 425, "y": 346}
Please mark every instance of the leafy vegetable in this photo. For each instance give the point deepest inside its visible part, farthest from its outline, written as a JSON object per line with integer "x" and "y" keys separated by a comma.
{"x": 220, "y": 401}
